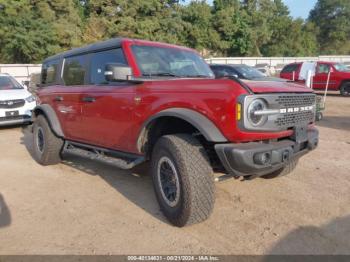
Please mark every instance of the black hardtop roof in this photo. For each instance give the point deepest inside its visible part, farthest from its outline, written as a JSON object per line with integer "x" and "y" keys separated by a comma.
{"x": 115, "y": 42}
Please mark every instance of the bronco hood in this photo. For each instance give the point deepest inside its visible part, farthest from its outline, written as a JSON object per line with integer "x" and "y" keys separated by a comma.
{"x": 259, "y": 87}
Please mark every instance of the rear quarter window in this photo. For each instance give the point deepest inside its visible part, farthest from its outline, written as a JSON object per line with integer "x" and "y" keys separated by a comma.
{"x": 49, "y": 73}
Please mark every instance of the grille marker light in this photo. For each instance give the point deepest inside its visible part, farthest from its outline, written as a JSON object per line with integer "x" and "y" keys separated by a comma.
{"x": 239, "y": 111}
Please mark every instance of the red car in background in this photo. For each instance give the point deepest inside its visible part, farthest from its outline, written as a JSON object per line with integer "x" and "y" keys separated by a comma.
{"x": 339, "y": 77}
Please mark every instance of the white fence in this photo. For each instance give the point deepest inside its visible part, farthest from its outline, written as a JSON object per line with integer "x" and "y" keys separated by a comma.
{"x": 21, "y": 72}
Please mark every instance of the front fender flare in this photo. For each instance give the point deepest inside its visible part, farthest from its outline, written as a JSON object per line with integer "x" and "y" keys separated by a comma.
{"x": 205, "y": 126}
{"x": 51, "y": 117}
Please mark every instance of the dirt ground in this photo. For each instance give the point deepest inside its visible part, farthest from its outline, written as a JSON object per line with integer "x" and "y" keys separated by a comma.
{"x": 82, "y": 207}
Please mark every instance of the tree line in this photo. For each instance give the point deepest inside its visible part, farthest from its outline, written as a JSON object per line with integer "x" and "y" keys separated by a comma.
{"x": 31, "y": 30}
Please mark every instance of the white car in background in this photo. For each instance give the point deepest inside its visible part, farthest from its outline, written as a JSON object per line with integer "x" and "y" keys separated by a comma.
{"x": 16, "y": 103}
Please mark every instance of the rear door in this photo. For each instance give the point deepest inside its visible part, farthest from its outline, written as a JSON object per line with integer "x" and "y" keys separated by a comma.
{"x": 107, "y": 107}
{"x": 67, "y": 98}
{"x": 63, "y": 98}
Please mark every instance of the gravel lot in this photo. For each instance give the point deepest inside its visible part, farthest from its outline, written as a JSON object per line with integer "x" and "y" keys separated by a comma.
{"x": 82, "y": 207}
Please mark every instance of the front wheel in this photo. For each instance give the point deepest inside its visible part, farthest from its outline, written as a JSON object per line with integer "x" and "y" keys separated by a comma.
{"x": 345, "y": 89}
{"x": 47, "y": 146}
{"x": 183, "y": 179}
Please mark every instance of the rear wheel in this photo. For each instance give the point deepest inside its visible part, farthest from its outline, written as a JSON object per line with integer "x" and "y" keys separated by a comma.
{"x": 47, "y": 146}
{"x": 183, "y": 179}
{"x": 345, "y": 89}
{"x": 289, "y": 168}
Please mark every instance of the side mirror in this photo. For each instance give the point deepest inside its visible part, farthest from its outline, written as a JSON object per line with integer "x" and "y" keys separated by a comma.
{"x": 118, "y": 72}
{"x": 235, "y": 75}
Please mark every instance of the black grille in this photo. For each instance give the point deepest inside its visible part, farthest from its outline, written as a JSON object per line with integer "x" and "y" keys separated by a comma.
{"x": 296, "y": 101}
{"x": 296, "y": 118}
{"x": 12, "y": 103}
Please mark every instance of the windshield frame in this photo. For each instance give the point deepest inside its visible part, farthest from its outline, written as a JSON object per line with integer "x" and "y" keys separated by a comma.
{"x": 198, "y": 63}
{"x": 13, "y": 81}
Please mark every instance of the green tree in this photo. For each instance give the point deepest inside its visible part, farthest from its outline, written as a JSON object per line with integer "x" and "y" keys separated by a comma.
{"x": 332, "y": 19}
{"x": 199, "y": 33}
{"x": 232, "y": 28}
{"x": 66, "y": 16}
{"x": 147, "y": 19}
{"x": 289, "y": 37}
{"x": 24, "y": 38}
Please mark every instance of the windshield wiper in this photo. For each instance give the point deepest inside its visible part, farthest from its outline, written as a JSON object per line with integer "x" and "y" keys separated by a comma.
{"x": 161, "y": 74}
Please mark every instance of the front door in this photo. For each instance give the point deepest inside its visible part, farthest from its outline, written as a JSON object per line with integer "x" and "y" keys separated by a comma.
{"x": 107, "y": 107}
{"x": 321, "y": 76}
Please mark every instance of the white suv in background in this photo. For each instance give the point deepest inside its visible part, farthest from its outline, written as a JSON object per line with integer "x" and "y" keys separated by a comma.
{"x": 16, "y": 103}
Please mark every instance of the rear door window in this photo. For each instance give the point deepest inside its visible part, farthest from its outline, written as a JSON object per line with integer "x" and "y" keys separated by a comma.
{"x": 99, "y": 61}
{"x": 75, "y": 70}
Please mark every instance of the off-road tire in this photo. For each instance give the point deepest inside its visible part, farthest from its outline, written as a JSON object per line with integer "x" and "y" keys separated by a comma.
{"x": 197, "y": 189}
{"x": 345, "y": 89}
{"x": 289, "y": 168}
{"x": 50, "y": 153}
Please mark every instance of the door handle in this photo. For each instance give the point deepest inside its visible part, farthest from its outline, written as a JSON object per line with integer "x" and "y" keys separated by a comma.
{"x": 58, "y": 98}
{"x": 89, "y": 99}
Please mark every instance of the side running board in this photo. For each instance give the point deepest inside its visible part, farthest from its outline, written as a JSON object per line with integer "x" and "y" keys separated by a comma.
{"x": 115, "y": 158}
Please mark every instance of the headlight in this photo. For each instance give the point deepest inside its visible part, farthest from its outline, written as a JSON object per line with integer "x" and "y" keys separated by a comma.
{"x": 256, "y": 119}
{"x": 30, "y": 99}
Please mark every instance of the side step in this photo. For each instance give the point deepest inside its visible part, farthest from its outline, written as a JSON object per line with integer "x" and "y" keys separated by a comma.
{"x": 115, "y": 158}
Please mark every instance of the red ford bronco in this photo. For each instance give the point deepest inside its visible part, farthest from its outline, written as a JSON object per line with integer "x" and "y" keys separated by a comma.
{"x": 124, "y": 102}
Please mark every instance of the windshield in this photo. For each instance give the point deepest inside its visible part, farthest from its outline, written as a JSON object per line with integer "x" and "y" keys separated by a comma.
{"x": 341, "y": 68}
{"x": 156, "y": 61}
{"x": 249, "y": 72}
{"x": 8, "y": 83}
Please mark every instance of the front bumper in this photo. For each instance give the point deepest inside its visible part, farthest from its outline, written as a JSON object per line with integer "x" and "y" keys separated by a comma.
{"x": 258, "y": 158}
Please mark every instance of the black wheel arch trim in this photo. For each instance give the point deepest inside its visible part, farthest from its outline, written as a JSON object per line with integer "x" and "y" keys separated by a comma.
{"x": 51, "y": 117}
{"x": 204, "y": 125}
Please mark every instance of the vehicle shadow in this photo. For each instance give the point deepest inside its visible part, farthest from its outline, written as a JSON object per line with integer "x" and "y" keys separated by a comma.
{"x": 135, "y": 185}
{"x": 336, "y": 122}
{"x": 330, "y": 239}
{"x": 5, "y": 216}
